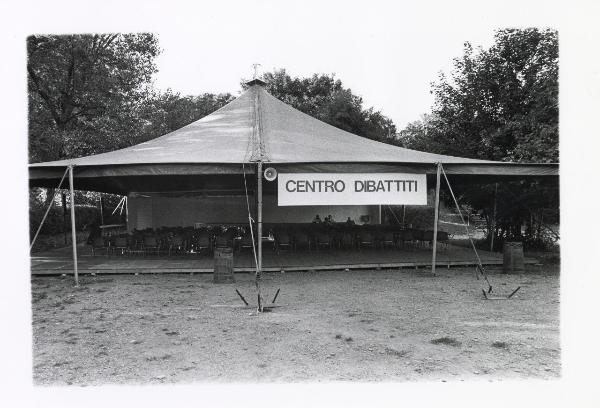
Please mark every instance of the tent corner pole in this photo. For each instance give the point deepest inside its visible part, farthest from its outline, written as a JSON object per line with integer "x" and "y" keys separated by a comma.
{"x": 435, "y": 217}
{"x": 73, "y": 230}
{"x": 259, "y": 205}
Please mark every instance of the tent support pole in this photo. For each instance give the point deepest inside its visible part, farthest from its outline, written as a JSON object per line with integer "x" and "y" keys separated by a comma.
{"x": 259, "y": 217}
{"x": 435, "y": 217}
{"x": 64, "y": 208}
{"x": 101, "y": 210}
{"x": 493, "y": 226}
{"x": 73, "y": 231}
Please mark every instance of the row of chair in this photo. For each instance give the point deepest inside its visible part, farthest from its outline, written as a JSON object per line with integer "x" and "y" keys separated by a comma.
{"x": 280, "y": 237}
{"x": 353, "y": 239}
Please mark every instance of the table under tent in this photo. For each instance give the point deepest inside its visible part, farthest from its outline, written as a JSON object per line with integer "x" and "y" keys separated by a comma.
{"x": 218, "y": 182}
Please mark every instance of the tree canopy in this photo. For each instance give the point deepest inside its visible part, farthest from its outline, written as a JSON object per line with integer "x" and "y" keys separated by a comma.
{"x": 324, "y": 97}
{"x": 499, "y": 103}
{"x": 84, "y": 90}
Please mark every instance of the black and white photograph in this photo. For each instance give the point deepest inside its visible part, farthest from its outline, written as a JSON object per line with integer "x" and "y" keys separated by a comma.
{"x": 254, "y": 203}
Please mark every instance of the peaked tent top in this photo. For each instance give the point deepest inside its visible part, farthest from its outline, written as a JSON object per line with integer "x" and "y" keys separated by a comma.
{"x": 257, "y": 125}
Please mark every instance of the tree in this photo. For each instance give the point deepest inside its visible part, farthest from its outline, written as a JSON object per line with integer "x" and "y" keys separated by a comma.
{"x": 84, "y": 91}
{"x": 93, "y": 93}
{"x": 501, "y": 104}
{"x": 325, "y": 98}
{"x": 168, "y": 111}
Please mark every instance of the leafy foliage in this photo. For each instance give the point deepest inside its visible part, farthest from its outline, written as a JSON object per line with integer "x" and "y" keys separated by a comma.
{"x": 501, "y": 104}
{"x": 84, "y": 91}
{"x": 325, "y": 98}
{"x": 93, "y": 93}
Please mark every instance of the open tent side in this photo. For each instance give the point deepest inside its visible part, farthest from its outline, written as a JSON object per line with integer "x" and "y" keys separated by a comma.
{"x": 218, "y": 153}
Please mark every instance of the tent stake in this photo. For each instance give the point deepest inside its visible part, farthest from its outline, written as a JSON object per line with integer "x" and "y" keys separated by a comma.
{"x": 73, "y": 231}
{"x": 241, "y": 297}
{"x": 275, "y": 297}
{"x": 435, "y": 218}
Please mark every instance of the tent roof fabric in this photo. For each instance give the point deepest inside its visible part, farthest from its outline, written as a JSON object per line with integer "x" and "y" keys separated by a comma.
{"x": 257, "y": 126}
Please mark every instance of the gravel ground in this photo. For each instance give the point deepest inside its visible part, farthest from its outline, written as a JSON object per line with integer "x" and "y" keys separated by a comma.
{"x": 387, "y": 325}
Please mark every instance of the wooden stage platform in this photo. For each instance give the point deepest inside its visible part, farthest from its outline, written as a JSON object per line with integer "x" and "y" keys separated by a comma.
{"x": 59, "y": 261}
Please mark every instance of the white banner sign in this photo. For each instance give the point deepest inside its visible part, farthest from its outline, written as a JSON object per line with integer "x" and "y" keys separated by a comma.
{"x": 352, "y": 189}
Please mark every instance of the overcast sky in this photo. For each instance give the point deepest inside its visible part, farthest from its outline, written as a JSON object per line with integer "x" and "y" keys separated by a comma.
{"x": 387, "y": 57}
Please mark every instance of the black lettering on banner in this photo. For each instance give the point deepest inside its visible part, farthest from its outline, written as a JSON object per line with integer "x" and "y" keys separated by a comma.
{"x": 340, "y": 189}
{"x": 328, "y": 186}
{"x": 415, "y": 186}
{"x": 319, "y": 183}
{"x": 287, "y": 186}
{"x": 370, "y": 186}
{"x": 301, "y": 186}
{"x": 358, "y": 183}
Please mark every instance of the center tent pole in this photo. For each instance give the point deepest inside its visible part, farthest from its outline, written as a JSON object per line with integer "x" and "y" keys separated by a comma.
{"x": 259, "y": 205}
{"x": 436, "y": 215}
{"x": 73, "y": 231}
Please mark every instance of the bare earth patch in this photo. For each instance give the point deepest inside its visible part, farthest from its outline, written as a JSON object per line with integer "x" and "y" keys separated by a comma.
{"x": 328, "y": 326}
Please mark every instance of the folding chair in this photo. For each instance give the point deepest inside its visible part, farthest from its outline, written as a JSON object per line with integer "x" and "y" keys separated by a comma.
{"x": 282, "y": 240}
{"x": 98, "y": 243}
{"x": 322, "y": 240}
{"x": 151, "y": 244}
{"x": 366, "y": 239}
{"x": 176, "y": 244}
{"x": 121, "y": 244}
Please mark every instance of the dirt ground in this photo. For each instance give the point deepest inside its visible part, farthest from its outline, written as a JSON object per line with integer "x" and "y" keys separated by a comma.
{"x": 387, "y": 325}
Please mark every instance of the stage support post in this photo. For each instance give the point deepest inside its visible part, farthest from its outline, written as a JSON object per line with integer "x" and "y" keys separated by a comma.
{"x": 435, "y": 218}
{"x": 259, "y": 205}
{"x": 73, "y": 231}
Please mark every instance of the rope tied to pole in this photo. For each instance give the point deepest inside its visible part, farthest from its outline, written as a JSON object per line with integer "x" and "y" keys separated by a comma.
{"x": 480, "y": 267}
{"x": 48, "y": 210}
{"x": 250, "y": 219}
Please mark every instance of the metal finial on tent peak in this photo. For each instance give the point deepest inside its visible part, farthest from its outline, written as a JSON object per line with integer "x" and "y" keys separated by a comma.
{"x": 255, "y": 66}
{"x": 255, "y": 80}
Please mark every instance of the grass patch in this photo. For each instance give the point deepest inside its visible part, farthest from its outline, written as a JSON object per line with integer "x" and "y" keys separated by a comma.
{"x": 448, "y": 341}
{"x": 348, "y": 339}
{"x": 338, "y": 336}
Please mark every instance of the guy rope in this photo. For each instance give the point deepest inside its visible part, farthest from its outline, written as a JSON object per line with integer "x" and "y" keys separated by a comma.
{"x": 486, "y": 294}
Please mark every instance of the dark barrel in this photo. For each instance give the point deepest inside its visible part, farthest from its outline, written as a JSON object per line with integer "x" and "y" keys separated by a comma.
{"x": 223, "y": 272}
{"x": 513, "y": 258}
